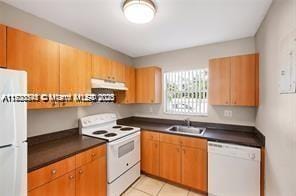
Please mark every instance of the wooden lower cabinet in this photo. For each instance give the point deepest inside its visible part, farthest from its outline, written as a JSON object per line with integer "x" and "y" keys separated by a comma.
{"x": 194, "y": 168}
{"x": 170, "y": 162}
{"x": 64, "y": 185}
{"x": 88, "y": 177}
{"x": 150, "y": 157}
{"x": 91, "y": 179}
{"x": 179, "y": 159}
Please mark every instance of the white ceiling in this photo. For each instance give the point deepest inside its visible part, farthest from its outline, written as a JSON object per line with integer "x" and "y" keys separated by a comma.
{"x": 177, "y": 24}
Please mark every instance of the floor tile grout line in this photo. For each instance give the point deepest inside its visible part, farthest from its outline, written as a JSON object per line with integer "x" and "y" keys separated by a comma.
{"x": 161, "y": 188}
{"x": 143, "y": 191}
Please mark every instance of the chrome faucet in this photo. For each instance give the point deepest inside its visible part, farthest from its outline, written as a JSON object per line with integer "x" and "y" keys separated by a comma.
{"x": 187, "y": 122}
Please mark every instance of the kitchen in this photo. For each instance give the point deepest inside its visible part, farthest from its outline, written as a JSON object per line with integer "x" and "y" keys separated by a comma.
{"x": 194, "y": 112}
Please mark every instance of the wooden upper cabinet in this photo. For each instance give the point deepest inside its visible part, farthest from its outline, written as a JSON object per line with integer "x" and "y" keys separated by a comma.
{"x": 130, "y": 78}
{"x": 234, "y": 80}
{"x": 2, "y": 45}
{"x": 219, "y": 81}
{"x": 118, "y": 71}
{"x": 243, "y": 80}
{"x": 101, "y": 68}
{"x": 39, "y": 58}
{"x": 106, "y": 69}
{"x": 75, "y": 73}
{"x": 148, "y": 85}
{"x": 128, "y": 96}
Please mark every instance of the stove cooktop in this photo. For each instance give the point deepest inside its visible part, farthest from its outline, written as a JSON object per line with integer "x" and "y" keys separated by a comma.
{"x": 111, "y": 133}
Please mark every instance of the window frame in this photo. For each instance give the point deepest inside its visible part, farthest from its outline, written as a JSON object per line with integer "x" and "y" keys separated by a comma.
{"x": 184, "y": 113}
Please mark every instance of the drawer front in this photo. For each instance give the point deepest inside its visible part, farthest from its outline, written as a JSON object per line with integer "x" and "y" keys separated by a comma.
{"x": 149, "y": 135}
{"x": 90, "y": 155}
{"x": 50, "y": 172}
{"x": 194, "y": 142}
{"x": 62, "y": 186}
{"x": 169, "y": 138}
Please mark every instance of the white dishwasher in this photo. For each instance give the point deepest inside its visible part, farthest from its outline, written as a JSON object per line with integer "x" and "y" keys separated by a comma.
{"x": 233, "y": 170}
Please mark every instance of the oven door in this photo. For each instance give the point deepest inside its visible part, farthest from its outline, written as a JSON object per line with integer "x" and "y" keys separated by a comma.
{"x": 122, "y": 155}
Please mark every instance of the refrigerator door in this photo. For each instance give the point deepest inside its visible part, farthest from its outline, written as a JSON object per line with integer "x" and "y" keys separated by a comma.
{"x": 13, "y": 170}
{"x": 13, "y": 116}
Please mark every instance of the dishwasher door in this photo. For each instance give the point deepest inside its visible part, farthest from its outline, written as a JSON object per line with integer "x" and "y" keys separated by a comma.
{"x": 233, "y": 170}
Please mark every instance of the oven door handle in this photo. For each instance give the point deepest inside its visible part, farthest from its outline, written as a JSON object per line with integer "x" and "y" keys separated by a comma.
{"x": 124, "y": 139}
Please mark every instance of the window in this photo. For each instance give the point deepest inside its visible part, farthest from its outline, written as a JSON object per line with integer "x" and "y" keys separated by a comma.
{"x": 186, "y": 92}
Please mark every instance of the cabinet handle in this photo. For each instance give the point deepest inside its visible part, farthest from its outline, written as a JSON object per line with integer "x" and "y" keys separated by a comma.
{"x": 113, "y": 78}
{"x": 71, "y": 177}
{"x": 53, "y": 172}
{"x": 155, "y": 145}
{"x": 80, "y": 172}
{"x": 93, "y": 155}
{"x": 152, "y": 101}
{"x": 184, "y": 151}
{"x": 178, "y": 150}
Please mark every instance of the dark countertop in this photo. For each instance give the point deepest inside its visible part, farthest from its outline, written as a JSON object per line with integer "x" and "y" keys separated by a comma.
{"x": 242, "y": 135}
{"x": 47, "y": 149}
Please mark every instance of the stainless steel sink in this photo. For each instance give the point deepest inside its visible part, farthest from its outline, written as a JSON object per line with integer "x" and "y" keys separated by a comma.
{"x": 187, "y": 130}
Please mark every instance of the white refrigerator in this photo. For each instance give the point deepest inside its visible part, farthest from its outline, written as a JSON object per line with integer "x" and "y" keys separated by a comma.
{"x": 13, "y": 135}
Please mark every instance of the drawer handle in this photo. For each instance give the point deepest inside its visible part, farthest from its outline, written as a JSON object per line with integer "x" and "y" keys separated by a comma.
{"x": 53, "y": 172}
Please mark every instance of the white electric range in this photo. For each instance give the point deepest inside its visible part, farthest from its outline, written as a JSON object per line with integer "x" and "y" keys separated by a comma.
{"x": 123, "y": 149}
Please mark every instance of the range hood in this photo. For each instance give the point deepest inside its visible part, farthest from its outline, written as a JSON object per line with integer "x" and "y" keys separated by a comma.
{"x": 105, "y": 84}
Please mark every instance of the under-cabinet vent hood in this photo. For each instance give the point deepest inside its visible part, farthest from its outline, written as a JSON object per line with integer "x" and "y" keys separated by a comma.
{"x": 96, "y": 83}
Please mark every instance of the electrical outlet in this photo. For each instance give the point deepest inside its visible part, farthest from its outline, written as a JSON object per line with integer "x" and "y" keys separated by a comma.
{"x": 227, "y": 113}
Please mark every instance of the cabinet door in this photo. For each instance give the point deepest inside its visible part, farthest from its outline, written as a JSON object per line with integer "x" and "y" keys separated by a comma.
{"x": 2, "y": 45}
{"x": 64, "y": 185}
{"x": 150, "y": 157}
{"x": 194, "y": 168}
{"x": 243, "y": 80}
{"x": 219, "y": 81}
{"x": 118, "y": 72}
{"x": 75, "y": 73}
{"x": 170, "y": 162}
{"x": 39, "y": 58}
{"x": 148, "y": 85}
{"x": 128, "y": 97}
{"x": 92, "y": 178}
{"x": 101, "y": 68}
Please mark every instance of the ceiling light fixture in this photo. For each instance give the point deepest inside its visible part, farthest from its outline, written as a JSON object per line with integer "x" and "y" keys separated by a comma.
{"x": 139, "y": 11}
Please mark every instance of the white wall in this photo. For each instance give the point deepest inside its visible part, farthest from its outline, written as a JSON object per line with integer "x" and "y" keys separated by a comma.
{"x": 276, "y": 116}
{"x": 51, "y": 120}
{"x": 198, "y": 57}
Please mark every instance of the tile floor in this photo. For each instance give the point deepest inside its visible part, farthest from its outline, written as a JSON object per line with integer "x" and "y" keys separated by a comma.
{"x": 146, "y": 186}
